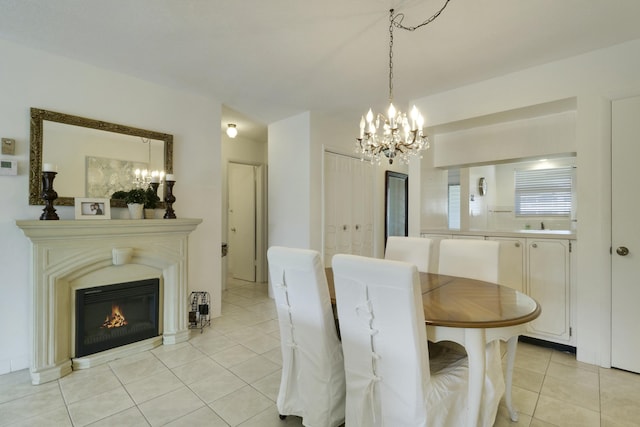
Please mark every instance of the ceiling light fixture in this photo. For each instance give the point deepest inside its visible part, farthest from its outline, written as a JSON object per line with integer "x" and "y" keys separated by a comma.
{"x": 396, "y": 135}
{"x": 232, "y": 131}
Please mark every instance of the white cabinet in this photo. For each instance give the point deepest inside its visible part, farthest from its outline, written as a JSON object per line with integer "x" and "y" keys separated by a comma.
{"x": 348, "y": 207}
{"x": 540, "y": 268}
{"x": 512, "y": 262}
{"x": 548, "y": 282}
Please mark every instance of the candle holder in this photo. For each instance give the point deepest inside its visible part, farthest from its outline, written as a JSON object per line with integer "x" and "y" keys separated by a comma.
{"x": 48, "y": 195}
{"x": 169, "y": 199}
{"x": 155, "y": 186}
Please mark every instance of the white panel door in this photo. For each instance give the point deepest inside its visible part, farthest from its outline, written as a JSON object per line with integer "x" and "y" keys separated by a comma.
{"x": 342, "y": 193}
{"x": 242, "y": 221}
{"x": 625, "y": 234}
{"x": 362, "y": 208}
{"x": 348, "y": 207}
{"x": 330, "y": 208}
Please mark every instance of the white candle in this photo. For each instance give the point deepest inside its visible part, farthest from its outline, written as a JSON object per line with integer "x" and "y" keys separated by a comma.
{"x": 169, "y": 177}
{"x": 49, "y": 167}
{"x": 155, "y": 178}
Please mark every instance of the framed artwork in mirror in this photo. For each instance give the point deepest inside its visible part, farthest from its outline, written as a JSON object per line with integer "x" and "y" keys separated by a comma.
{"x": 396, "y": 204}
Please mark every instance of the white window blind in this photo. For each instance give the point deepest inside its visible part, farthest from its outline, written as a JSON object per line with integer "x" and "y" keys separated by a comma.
{"x": 543, "y": 192}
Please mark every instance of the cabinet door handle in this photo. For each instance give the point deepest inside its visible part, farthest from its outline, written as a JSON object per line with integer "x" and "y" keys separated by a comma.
{"x": 517, "y": 244}
{"x": 344, "y": 227}
{"x": 622, "y": 251}
{"x": 534, "y": 245}
{"x": 357, "y": 226}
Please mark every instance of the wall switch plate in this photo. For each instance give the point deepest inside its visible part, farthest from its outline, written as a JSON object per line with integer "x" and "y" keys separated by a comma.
{"x": 8, "y": 146}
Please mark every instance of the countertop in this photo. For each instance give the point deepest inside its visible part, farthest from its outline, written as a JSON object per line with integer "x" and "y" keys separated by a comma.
{"x": 547, "y": 234}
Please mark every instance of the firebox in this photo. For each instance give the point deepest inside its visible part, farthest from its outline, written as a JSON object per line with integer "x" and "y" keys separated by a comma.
{"x": 115, "y": 315}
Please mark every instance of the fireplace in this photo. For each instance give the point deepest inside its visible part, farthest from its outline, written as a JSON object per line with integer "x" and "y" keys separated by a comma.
{"x": 115, "y": 315}
{"x": 69, "y": 255}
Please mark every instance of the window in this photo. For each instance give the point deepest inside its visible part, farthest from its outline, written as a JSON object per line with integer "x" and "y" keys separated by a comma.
{"x": 454, "y": 206}
{"x": 543, "y": 192}
{"x": 453, "y": 202}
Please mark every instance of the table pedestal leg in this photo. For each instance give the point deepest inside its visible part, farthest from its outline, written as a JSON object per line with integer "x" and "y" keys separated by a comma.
{"x": 512, "y": 344}
{"x": 475, "y": 345}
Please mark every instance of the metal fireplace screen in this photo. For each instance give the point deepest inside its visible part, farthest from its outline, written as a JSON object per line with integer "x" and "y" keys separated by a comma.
{"x": 115, "y": 315}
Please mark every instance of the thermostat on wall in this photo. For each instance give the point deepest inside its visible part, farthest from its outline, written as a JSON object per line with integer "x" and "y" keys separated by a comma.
{"x": 8, "y": 167}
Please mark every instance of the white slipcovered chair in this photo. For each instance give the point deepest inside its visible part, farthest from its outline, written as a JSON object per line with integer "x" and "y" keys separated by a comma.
{"x": 414, "y": 250}
{"x": 312, "y": 385}
{"x": 473, "y": 259}
{"x": 391, "y": 378}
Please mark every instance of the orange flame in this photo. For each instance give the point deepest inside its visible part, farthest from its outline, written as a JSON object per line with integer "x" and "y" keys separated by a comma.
{"x": 116, "y": 319}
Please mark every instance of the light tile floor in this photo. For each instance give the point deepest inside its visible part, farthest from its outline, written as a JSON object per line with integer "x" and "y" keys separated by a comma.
{"x": 229, "y": 376}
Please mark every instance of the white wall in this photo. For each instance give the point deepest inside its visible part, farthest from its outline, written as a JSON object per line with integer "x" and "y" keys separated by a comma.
{"x": 593, "y": 79}
{"x": 548, "y": 135}
{"x": 290, "y": 191}
{"x": 30, "y": 78}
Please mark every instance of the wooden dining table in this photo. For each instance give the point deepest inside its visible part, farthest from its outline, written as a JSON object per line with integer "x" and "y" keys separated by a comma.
{"x": 473, "y": 313}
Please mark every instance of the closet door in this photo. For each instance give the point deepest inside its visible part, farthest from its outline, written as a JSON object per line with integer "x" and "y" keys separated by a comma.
{"x": 348, "y": 206}
{"x": 330, "y": 208}
{"x": 625, "y": 235}
{"x": 361, "y": 208}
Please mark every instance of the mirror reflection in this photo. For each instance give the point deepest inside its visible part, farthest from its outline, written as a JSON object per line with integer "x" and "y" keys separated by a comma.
{"x": 396, "y": 204}
{"x": 93, "y": 158}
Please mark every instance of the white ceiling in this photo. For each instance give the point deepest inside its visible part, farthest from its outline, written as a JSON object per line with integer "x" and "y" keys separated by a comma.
{"x": 270, "y": 59}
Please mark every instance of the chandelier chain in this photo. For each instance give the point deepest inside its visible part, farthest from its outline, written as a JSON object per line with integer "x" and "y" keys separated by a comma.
{"x": 391, "y": 56}
{"x": 396, "y": 20}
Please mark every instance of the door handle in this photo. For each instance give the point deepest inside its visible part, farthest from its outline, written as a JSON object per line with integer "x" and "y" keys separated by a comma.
{"x": 622, "y": 251}
{"x": 233, "y": 229}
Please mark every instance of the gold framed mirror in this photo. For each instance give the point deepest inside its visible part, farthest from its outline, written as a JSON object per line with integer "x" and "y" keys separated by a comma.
{"x": 82, "y": 135}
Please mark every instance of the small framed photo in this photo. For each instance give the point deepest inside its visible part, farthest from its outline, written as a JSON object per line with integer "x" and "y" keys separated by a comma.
{"x": 92, "y": 208}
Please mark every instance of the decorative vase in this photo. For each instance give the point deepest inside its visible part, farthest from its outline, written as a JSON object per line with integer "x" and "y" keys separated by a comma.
{"x": 149, "y": 213}
{"x": 135, "y": 210}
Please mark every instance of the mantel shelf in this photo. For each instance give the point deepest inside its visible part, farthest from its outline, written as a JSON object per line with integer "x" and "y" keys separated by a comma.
{"x": 36, "y": 229}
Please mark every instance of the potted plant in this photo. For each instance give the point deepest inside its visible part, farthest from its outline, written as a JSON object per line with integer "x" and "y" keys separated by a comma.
{"x": 135, "y": 200}
{"x": 150, "y": 202}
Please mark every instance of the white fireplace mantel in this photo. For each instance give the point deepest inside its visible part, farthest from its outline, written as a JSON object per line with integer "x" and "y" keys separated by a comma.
{"x": 73, "y": 254}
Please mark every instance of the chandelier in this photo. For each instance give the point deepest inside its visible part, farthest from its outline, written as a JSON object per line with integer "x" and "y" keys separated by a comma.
{"x": 394, "y": 135}
{"x": 145, "y": 178}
